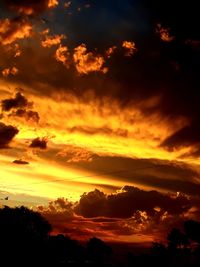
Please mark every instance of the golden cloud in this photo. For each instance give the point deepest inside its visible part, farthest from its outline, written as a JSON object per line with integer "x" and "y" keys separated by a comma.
{"x": 76, "y": 154}
{"x": 10, "y": 71}
{"x": 12, "y": 30}
{"x": 87, "y": 62}
{"x": 127, "y": 132}
{"x": 52, "y": 40}
{"x": 52, "y": 3}
{"x": 130, "y": 48}
{"x": 62, "y": 55}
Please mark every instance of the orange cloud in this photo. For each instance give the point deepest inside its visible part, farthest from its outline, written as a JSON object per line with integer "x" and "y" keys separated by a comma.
{"x": 83, "y": 124}
{"x": 87, "y": 62}
{"x": 12, "y": 30}
{"x": 112, "y": 217}
{"x": 164, "y": 33}
{"x": 52, "y": 40}
{"x": 76, "y": 154}
{"x": 52, "y": 3}
{"x": 13, "y": 49}
{"x": 9, "y": 71}
{"x": 130, "y": 48}
{"x": 62, "y": 55}
{"x": 17, "y": 50}
{"x": 110, "y": 51}
{"x": 30, "y": 7}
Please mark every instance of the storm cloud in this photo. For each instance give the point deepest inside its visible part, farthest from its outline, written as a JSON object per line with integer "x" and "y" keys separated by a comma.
{"x": 7, "y": 133}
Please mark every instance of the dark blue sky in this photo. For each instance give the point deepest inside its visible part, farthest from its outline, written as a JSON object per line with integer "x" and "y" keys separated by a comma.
{"x": 104, "y": 23}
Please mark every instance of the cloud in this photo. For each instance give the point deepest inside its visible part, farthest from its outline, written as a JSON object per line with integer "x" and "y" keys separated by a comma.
{"x": 7, "y": 133}
{"x": 20, "y": 107}
{"x": 110, "y": 51}
{"x": 101, "y": 130}
{"x": 52, "y": 40}
{"x": 53, "y": 3}
{"x": 168, "y": 176}
{"x": 125, "y": 203}
{"x": 86, "y": 62}
{"x": 187, "y": 136}
{"x": 29, "y": 115}
{"x": 14, "y": 49}
{"x": 20, "y": 162}
{"x": 62, "y": 55}
{"x": 164, "y": 33}
{"x": 129, "y": 47}
{"x": 76, "y": 154}
{"x": 19, "y": 101}
{"x": 29, "y": 7}
{"x": 39, "y": 143}
{"x": 10, "y": 71}
{"x": 129, "y": 212}
{"x": 12, "y": 30}
{"x": 67, "y": 4}
{"x": 58, "y": 212}
{"x": 58, "y": 205}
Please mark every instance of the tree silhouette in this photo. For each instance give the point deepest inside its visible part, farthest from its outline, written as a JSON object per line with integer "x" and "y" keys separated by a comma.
{"x": 62, "y": 249}
{"x": 98, "y": 251}
{"x": 23, "y": 234}
{"x": 26, "y": 240}
{"x": 177, "y": 239}
{"x": 192, "y": 230}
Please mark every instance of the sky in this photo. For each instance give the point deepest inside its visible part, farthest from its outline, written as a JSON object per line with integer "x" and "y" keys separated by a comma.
{"x": 99, "y": 115}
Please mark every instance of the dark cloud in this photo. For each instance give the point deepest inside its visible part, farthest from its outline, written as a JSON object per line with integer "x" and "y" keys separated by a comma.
{"x": 29, "y": 115}
{"x": 7, "y": 133}
{"x": 103, "y": 130}
{"x": 20, "y": 162}
{"x": 28, "y": 7}
{"x": 165, "y": 175}
{"x": 39, "y": 143}
{"x": 19, "y": 101}
{"x": 187, "y": 136}
{"x": 124, "y": 204}
{"x": 128, "y": 212}
{"x": 20, "y": 107}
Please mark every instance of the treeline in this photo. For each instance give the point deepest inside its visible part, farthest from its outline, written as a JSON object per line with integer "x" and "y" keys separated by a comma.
{"x": 25, "y": 240}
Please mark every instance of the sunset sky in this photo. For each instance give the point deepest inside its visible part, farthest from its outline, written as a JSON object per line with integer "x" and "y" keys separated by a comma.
{"x": 100, "y": 114}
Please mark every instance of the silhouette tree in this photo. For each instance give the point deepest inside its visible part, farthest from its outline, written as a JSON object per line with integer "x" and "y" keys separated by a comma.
{"x": 158, "y": 248}
{"x": 177, "y": 239}
{"x": 23, "y": 234}
{"x": 192, "y": 230}
{"x": 62, "y": 249}
{"x": 98, "y": 251}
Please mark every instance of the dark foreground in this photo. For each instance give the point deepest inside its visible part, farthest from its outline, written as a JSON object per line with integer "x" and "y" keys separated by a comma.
{"x": 25, "y": 240}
